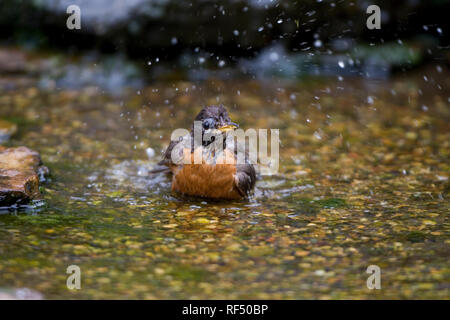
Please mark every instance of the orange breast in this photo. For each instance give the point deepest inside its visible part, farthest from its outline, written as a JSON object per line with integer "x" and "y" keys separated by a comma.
{"x": 206, "y": 180}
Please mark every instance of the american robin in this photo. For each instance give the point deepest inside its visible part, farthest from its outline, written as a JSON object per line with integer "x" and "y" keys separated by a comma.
{"x": 217, "y": 174}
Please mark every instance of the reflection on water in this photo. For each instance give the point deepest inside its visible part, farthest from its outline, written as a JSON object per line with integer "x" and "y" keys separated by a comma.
{"x": 363, "y": 180}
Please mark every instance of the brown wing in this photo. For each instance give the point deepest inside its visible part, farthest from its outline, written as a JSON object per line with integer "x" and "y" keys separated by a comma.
{"x": 166, "y": 163}
{"x": 167, "y": 158}
{"x": 245, "y": 178}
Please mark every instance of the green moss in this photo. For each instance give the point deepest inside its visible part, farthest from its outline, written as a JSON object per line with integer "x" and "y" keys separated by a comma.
{"x": 415, "y": 236}
{"x": 46, "y": 220}
{"x": 186, "y": 273}
{"x": 331, "y": 203}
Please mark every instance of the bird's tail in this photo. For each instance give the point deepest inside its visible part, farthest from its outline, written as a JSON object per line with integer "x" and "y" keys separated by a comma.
{"x": 159, "y": 169}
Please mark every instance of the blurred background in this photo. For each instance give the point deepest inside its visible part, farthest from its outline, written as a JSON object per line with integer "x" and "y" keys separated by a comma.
{"x": 200, "y": 39}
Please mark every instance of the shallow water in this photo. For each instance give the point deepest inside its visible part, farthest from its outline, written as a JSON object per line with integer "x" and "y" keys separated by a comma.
{"x": 363, "y": 180}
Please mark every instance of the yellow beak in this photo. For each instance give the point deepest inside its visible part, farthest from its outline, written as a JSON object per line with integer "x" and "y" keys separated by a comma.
{"x": 228, "y": 127}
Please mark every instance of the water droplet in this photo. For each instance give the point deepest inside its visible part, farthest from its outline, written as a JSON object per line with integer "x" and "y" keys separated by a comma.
{"x": 273, "y": 56}
{"x": 317, "y": 135}
{"x": 150, "y": 152}
{"x": 293, "y": 114}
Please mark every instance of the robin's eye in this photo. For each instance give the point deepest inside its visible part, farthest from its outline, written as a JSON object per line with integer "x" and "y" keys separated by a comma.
{"x": 209, "y": 123}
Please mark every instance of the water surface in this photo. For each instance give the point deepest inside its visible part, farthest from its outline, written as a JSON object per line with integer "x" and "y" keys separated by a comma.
{"x": 363, "y": 180}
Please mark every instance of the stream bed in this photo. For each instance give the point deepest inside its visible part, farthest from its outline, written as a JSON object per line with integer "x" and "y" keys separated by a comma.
{"x": 363, "y": 180}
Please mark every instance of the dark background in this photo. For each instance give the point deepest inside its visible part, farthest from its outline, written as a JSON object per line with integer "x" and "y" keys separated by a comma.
{"x": 226, "y": 30}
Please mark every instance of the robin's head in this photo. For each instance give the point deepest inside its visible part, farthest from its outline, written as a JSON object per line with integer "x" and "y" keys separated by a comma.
{"x": 215, "y": 118}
